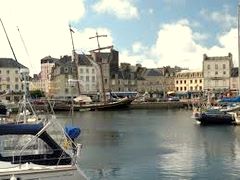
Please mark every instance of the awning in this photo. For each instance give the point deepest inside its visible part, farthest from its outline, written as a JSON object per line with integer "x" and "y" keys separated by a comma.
{"x": 83, "y": 98}
{"x": 170, "y": 92}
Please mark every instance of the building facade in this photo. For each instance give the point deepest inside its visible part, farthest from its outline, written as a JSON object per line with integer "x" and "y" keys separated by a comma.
{"x": 217, "y": 72}
{"x": 10, "y": 78}
{"x": 189, "y": 82}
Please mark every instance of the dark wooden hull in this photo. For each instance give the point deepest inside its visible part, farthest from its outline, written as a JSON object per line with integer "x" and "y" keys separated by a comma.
{"x": 109, "y": 106}
{"x": 122, "y": 104}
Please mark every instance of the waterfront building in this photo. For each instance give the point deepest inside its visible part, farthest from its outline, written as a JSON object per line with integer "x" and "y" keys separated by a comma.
{"x": 124, "y": 79}
{"x": 47, "y": 63}
{"x": 36, "y": 83}
{"x": 217, "y": 72}
{"x": 189, "y": 82}
{"x": 234, "y": 81}
{"x": 109, "y": 65}
{"x": 87, "y": 75}
{"x": 10, "y": 79}
{"x": 63, "y": 70}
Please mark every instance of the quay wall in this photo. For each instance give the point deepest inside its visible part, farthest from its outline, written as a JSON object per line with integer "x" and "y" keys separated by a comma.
{"x": 159, "y": 105}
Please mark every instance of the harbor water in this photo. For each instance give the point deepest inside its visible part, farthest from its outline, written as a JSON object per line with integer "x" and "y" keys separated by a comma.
{"x": 155, "y": 144}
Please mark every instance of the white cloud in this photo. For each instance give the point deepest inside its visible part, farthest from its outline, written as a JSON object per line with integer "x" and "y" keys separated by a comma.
{"x": 223, "y": 18}
{"x": 43, "y": 26}
{"x": 138, "y": 47}
{"x": 176, "y": 46}
{"x": 122, "y": 9}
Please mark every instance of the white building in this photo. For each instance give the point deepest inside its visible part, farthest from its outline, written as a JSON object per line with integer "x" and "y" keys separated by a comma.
{"x": 47, "y": 63}
{"x": 10, "y": 78}
{"x": 217, "y": 72}
{"x": 87, "y": 75}
{"x": 189, "y": 81}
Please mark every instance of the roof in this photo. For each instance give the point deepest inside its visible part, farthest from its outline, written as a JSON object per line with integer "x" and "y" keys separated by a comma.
{"x": 83, "y": 60}
{"x": 10, "y": 63}
{"x": 153, "y": 72}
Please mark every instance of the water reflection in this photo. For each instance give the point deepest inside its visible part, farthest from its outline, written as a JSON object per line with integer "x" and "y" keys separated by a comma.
{"x": 156, "y": 144}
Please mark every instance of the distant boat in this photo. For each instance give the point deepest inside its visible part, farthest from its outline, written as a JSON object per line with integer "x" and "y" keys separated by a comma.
{"x": 214, "y": 116}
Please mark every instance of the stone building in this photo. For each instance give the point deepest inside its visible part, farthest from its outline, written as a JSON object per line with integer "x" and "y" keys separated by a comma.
{"x": 10, "y": 79}
{"x": 217, "y": 72}
{"x": 63, "y": 70}
{"x": 47, "y": 63}
{"x": 124, "y": 79}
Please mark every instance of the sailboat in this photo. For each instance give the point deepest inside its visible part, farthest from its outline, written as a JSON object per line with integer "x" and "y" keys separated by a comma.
{"x": 103, "y": 104}
{"x": 40, "y": 148}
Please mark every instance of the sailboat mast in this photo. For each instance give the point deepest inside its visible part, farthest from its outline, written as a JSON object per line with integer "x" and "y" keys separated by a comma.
{"x": 74, "y": 57}
{"x": 8, "y": 40}
{"x": 238, "y": 48}
{"x": 100, "y": 66}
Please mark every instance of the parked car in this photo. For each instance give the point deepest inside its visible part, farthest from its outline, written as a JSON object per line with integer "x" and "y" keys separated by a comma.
{"x": 173, "y": 98}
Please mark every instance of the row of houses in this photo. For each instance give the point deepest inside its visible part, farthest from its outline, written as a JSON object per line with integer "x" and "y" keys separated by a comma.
{"x": 65, "y": 77}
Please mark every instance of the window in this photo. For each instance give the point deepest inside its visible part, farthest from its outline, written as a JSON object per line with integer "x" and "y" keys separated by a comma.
{"x": 16, "y": 87}
{"x": 224, "y": 72}
{"x": 8, "y": 79}
{"x": 181, "y": 82}
{"x": 87, "y": 78}
{"x": 16, "y": 79}
{"x": 208, "y": 66}
{"x": 191, "y": 81}
{"x": 185, "y": 81}
{"x": 224, "y": 66}
{"x": 93, "y": 78}
{"x": 8, "y": 71}
{"x": 216, "y": 73}
{"x": 185, "y": 88}
{"x": 216, "y": 66}
{"x": 200, "y": 81}
{"x": 66, "y": 91}
{"x": 93, "y": 70}
{"x": 176, "y": 82}
{"x": 87, "y": 71}
{"x": 16, "y": 71}
{"x": 8, "y": 86}
{"x": 81, "y": 70}
{"x": 195, "y": 80}
{"x": 10, "y": 143}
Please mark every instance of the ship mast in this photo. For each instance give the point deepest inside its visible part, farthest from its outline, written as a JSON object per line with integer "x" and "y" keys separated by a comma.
{"x": 99, "y": 62}
{"x": 74, "y": 57}
{"x": 8, "y": 40}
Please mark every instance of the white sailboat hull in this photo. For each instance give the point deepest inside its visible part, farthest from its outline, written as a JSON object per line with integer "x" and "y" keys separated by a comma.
{"x": 36, "y": 172}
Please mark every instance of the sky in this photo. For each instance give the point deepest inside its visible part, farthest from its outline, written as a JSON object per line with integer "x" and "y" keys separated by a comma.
{"x": 154, "y": 33}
